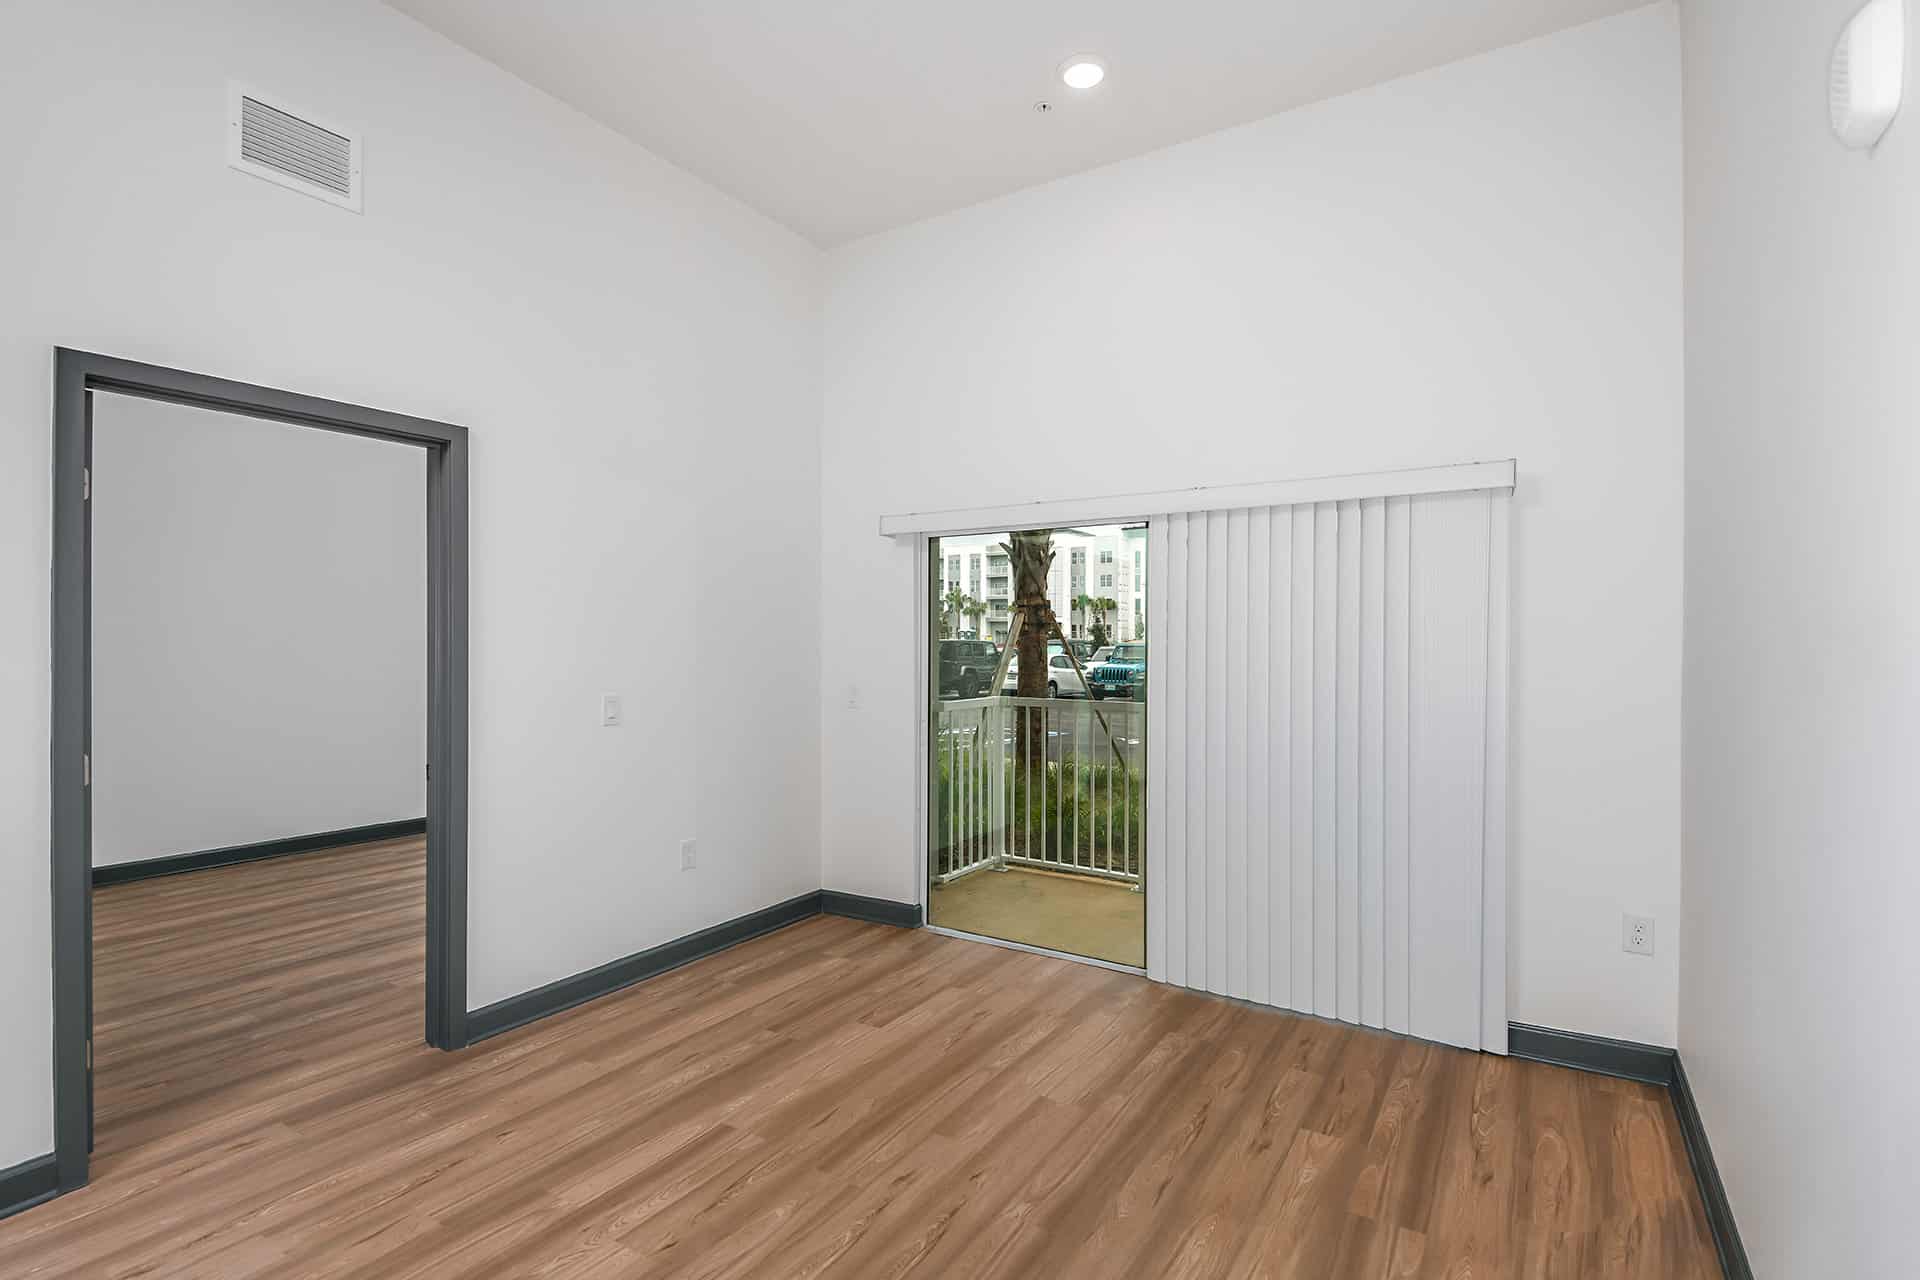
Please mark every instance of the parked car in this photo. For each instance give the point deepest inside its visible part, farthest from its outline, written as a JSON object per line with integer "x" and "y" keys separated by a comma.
{"x": 1062, "y": 680}
{"x": 1099, "y": 657}
{"x": 967, "y": 666}
{"x": 1123, "y": 674}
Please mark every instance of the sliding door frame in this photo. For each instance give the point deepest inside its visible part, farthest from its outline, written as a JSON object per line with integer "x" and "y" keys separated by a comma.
{"x": 921, "y": 541}
{"x": 923, "y": 746}
{"x": 919, "y": 528}
{"x": 77, "y": 375}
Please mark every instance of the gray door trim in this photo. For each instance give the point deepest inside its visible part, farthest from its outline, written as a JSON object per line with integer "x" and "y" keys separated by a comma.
{"x": 77, "y": 374}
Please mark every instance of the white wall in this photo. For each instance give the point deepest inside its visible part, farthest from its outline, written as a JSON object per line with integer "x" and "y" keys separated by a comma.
{"x": 259, "y": 630}
{"x": 1801, "y": 968}
{"x": 1479, "y": 262}
{"x": 636, "y": 356}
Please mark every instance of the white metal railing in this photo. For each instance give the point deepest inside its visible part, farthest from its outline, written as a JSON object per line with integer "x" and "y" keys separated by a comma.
{"x": 969, "y": 767}
{"x": 1071, "y": 801}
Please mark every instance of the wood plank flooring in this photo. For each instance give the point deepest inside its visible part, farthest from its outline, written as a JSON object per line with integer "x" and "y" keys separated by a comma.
{"x": 836, "y": 1099}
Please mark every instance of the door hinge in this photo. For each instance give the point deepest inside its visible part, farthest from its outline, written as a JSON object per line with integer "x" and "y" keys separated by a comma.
{"x": 429, "y": 772}
{"x": 86, "y": 770}
{"x": 89, "y": 1053}
{"x": 86, "y": 484}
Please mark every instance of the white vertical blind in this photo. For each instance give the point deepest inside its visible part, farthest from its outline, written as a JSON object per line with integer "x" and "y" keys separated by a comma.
{"x": 1326, "y": 781}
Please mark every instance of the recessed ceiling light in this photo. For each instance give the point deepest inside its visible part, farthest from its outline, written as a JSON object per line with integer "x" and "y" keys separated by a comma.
{"x": 1082, "y": 71}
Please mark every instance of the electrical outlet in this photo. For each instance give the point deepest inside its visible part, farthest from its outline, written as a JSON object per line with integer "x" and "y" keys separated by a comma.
{"x": 1637, "y": 935}
{"x": 689, "y": 855}
{"x": 610, "y": 709}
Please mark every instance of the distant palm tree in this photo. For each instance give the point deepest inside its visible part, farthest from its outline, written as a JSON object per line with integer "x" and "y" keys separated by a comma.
{"x": 1081, "y": 604}
{"x": 952, "y": 606}
{"x": 1100, "y": 605}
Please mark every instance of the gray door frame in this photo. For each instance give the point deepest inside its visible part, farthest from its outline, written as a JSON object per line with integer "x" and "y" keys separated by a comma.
{"x": 77, "y": 375}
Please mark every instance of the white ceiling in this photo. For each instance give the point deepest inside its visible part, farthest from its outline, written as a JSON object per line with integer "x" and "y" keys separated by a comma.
{"x": 840, "y": 118}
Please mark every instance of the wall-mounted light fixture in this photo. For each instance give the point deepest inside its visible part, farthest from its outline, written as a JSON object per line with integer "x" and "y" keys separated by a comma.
{"x": 1869, "y": 66}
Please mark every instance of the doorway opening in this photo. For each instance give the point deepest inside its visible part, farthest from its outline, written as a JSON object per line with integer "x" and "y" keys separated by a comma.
{"x": 271, "y": 922}
{"x": 1037, "y": 733}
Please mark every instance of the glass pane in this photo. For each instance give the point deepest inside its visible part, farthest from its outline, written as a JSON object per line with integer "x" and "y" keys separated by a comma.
{"x": 1037, "y": 781}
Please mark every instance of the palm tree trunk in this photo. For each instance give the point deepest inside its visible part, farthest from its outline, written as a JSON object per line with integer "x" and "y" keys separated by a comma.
{"x": 1031, "y": 554}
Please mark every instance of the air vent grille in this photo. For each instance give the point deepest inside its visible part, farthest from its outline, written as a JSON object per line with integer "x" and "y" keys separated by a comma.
{"x": 289, "y": 147}
{"x": 271, "y": 137}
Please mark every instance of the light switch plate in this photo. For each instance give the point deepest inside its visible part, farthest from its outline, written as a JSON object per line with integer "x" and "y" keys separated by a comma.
{"x": 610, "y": 709}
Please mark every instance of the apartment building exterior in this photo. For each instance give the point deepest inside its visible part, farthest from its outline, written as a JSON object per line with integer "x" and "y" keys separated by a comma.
{"x": 1104, "y": 562}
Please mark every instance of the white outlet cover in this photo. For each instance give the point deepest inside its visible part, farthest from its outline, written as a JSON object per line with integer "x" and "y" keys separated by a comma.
{"x": 1636, "y": 935}
{"x": 689, "y": 855}
{"x": 1866, "y": 79}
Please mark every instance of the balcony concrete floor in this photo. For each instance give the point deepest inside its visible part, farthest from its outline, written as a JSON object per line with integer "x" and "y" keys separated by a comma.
{"x": 1080, "y": 915}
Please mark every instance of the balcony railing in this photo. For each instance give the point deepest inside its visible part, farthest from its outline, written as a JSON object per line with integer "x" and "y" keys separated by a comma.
{"x": 1073, "y": 801}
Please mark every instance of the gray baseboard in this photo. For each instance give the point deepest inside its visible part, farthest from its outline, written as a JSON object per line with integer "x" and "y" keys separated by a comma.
{"x": 1713, "y": 1193}
{"x": 28, "y": 1183}
{"x": 1649, "y": 1064}
{"x": 566, "y": 993}
{"x": 905, "y": 915}
{"x": 176, "y": 864}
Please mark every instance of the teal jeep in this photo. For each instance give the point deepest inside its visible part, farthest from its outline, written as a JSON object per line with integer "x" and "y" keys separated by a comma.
{"x": 1124, "y": 675}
